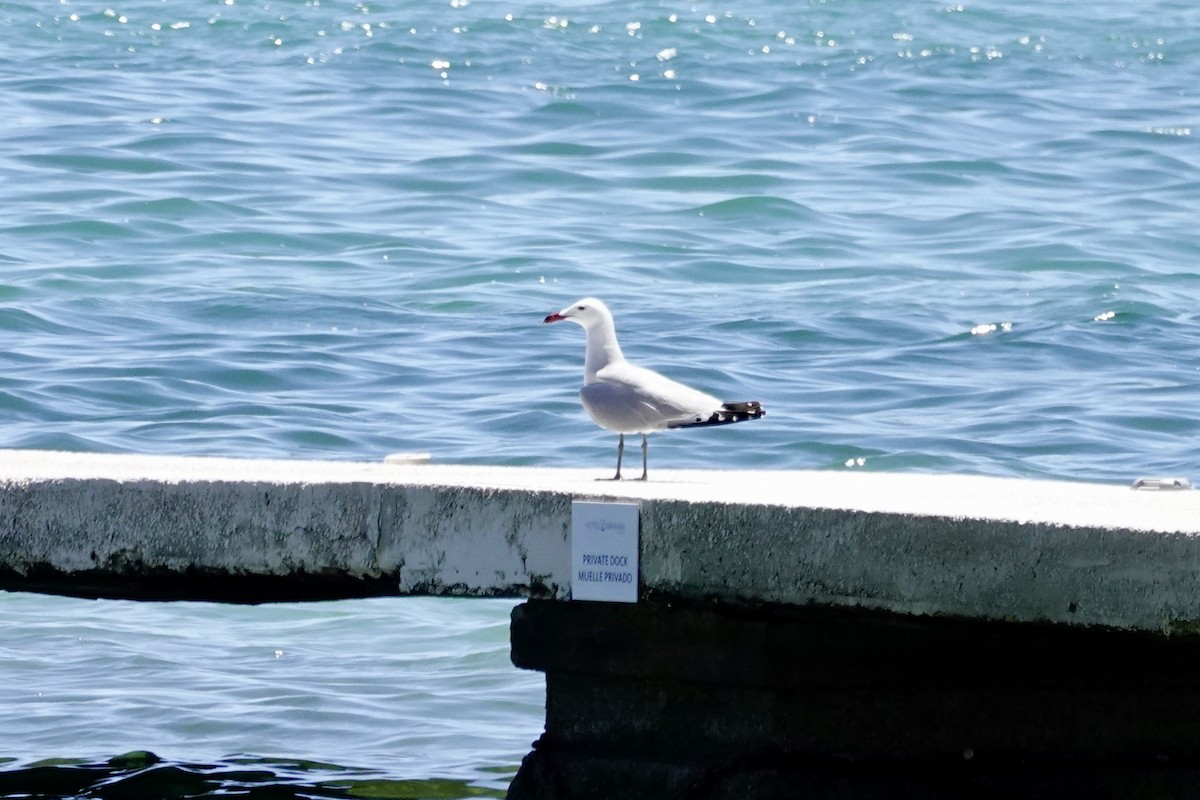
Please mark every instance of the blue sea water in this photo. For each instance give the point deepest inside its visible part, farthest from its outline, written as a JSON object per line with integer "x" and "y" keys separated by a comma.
{"x": 933, "y": 236}
{"x": 384, "y": 698}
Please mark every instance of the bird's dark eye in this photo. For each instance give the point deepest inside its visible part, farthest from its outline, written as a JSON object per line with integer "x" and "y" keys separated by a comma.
{"x": 582, "y": 308}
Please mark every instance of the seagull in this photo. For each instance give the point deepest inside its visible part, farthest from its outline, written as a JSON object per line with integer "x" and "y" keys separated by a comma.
{"x": 625, "y": 398}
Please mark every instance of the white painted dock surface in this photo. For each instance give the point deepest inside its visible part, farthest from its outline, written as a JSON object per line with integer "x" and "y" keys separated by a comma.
{"x": 953, "y": 496}
{"x": 1073, "y": 553}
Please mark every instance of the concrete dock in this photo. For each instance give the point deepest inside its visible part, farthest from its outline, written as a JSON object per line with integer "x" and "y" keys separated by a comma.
{"x": 844, "y": 632}
{"x": 975, "y": 547}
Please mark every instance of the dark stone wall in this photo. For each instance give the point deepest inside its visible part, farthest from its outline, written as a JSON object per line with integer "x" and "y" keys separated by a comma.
{"x": 662, "y": 700}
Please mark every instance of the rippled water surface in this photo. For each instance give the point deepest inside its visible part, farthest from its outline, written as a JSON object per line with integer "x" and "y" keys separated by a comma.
{"x": 928, "y": 236}
{"x": 396, "y": 698}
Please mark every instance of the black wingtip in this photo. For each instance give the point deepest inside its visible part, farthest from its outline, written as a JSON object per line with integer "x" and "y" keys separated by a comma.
{"x": 727, "y": 414}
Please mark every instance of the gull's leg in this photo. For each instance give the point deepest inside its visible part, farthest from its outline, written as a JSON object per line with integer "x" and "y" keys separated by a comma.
{"x": 645, "y": 447}
{"x": 620, "y": 452}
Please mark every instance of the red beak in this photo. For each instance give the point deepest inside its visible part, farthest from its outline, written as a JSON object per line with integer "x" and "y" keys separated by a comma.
{"x": 554, "y": 318}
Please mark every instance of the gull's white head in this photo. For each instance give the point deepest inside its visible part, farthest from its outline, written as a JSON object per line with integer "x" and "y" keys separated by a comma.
{"x": 587, "y": 312}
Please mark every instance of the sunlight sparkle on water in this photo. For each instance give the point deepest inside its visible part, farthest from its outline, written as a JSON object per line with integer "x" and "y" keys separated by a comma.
{"x": 991, "y": 327}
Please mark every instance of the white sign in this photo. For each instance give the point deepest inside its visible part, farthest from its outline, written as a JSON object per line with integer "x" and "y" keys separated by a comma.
{"x": 604, "y": 551}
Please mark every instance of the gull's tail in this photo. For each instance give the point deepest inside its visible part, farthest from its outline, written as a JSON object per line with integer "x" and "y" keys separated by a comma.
{"x": 726, "y": 414}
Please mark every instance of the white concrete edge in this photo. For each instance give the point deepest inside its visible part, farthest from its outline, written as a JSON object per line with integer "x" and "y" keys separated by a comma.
{"x": 1038, "y": 551}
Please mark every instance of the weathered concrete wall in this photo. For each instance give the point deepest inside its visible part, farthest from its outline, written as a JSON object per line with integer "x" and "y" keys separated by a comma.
{"x": 253, "y": 531}
{"x": 1037, "y": 551}
{"x": 925, "y": 564}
